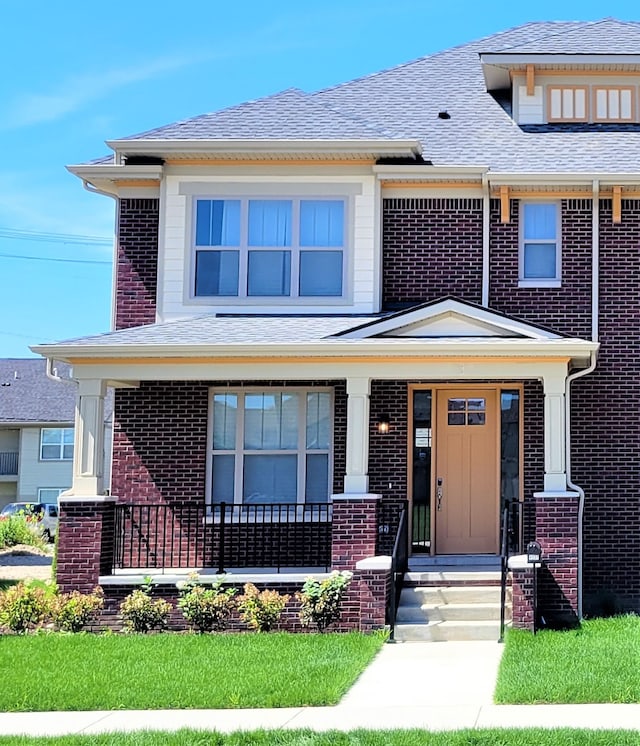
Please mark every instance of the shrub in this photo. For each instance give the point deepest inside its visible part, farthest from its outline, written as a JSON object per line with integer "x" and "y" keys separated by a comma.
{"x": 71, "y": 611}
{"x": 20, "y": 529}
{"x": 321, "y": 600}
{"x": 141, "y": 613}
{"x": 206, "y": 609}
{"x": 261, "y": 610}
{"x": 24, "y": 606}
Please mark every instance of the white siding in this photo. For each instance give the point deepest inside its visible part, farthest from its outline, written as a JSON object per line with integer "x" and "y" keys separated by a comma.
{"x": 530, "y": 109}
{"x": 175, "y": 242}
{"x": 35, "y": 473}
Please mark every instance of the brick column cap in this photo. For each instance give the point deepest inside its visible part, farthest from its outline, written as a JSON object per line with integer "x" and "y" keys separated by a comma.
{"x": 87, "y": 499}
{"x": 558, "y": 494}
{"x": 355, "y": 497}
{"x": 382, "y": 562}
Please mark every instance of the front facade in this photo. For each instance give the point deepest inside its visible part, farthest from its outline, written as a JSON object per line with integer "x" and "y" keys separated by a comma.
{"x": 328, "y": 308}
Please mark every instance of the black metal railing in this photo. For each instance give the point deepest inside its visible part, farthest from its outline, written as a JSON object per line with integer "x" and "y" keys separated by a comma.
{"x": 389, "y": 512}
{"x": 8, "y": 463}
{"x": 510, "y": 544}
{"x": 399, "y": 564}
{"x": 273, "y": 535}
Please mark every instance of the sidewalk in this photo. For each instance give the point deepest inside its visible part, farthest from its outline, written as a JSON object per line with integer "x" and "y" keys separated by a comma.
{"x": 435, "y": 686}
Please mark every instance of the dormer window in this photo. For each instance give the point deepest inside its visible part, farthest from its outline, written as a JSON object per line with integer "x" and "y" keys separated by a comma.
{"x": 567, "y": 103}
{"x": 614, "y": 104}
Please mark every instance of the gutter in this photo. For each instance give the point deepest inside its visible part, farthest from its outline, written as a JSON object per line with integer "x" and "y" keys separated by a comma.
{"x": 595, "y": 311}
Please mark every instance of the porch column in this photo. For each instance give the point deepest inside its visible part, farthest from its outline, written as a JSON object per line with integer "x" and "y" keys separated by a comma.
{"x": 555, "y": 432}
{"x": 356, "y": 480}
{"x": 88, "y": 457}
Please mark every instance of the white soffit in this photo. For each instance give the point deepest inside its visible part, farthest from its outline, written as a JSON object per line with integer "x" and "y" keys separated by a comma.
{"x": 448, "y": 319}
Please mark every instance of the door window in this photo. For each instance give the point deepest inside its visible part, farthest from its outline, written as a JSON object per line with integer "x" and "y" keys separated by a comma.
{"x": 466, "y": 411}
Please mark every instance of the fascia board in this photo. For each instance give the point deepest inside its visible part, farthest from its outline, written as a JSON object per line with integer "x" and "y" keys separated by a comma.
{"x": 420, "y": 171}
{"x": 506, "y": 58}
{"x": 383, "y": 146}
{"x": 562, "y": 179}
{"x": 399, "y": 348}
{"x": 119, "y": 172}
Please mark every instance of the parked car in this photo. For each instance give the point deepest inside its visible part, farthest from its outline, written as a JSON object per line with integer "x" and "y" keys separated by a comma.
{"x": 45, "y": 513}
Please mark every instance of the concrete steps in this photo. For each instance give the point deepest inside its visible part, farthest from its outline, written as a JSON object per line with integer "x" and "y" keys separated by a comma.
{"x": 453, "y": 601}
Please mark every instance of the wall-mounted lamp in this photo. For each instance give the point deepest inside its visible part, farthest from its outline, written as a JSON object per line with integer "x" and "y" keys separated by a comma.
{"x": 383, "y": 424}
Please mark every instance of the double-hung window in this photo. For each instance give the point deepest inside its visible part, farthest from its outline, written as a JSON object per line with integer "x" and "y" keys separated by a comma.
{"x": 270, "y": 248}
{"x": 56, "y": 444}
{"x": 270, "y": 446}
{"x": 540, "y": 244}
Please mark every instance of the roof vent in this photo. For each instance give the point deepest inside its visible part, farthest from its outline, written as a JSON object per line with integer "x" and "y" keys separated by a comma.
{"x": 444, "y": 114}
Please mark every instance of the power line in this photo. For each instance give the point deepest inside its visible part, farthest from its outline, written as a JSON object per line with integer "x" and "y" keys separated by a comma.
{"x": 53, "y": 259}
{"x": 48, "y": 237}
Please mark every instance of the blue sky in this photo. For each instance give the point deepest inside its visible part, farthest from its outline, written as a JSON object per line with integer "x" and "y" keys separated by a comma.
{"x": 78, "y": 73}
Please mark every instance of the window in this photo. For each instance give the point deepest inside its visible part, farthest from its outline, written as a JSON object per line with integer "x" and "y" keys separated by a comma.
{"x": 56, "y": 444}
{"x": 614, "y": 104}
{"x": 270, "y": 446}
{"x": 269, "y": 248}
{"x": 567, "y": 104}
{"x": 50, "y": 494}
{"x": 540, "y": 243}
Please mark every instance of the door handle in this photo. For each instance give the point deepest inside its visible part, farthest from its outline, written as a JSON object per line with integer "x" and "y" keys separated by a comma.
{"x": 439, "y": 494}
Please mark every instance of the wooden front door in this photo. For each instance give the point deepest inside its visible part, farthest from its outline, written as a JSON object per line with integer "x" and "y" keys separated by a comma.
{"x": 466, "y": 476}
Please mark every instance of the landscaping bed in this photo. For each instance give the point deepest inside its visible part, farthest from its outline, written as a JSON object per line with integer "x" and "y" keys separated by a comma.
{"x": 179, "y": 671}
{"x": 597, "y": 662}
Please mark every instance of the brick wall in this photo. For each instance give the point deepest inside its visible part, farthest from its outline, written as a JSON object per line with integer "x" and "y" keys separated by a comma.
{"x": 431, "y": 248}
{"x": 160, "y": 439}
{"x": 137, "y": 264}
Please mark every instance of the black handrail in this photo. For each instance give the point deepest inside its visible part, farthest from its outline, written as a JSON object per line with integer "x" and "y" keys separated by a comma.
{"x": 399, "y": 563}
{"x": 511, "y": 543}
{"x": 273, "y": 535}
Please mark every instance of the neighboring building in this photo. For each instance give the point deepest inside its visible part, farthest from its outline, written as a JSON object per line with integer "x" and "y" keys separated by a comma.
{"x": 36, "y": 431}
{"x": 419, "y": 285}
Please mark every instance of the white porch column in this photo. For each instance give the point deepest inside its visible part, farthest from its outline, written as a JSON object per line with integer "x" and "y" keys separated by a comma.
{"x": 356, "y": 480}
{"x": 555, "y": 432}
{"x": 88, "y": 457}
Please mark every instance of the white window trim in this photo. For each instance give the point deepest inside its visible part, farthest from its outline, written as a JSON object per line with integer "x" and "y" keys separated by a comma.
{"x": 542, "y": 282}
{"x": 61, "y": 457}
{"x": 59, "y": 490}
{"x": 239, "y": 451}
{"x": 244, "y": 193}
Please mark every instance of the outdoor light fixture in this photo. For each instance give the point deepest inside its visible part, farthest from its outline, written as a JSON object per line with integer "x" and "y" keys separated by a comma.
{"x": 534, "y": 553}
{"x": 383, "y": 424}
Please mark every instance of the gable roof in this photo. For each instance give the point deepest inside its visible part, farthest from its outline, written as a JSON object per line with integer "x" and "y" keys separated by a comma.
{"x": 28, "y": 395}
{"x": 404, "y": 101}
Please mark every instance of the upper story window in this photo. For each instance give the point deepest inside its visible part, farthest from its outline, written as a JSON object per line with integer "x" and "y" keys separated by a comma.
{"x": 270, "y": 248}
{"x": 540, "y": 244}
{"x": 614, "y": 104}
{"x": 270, "y": 446}
{"x": 568, "y": 103}
{"x": 56, "y": 444}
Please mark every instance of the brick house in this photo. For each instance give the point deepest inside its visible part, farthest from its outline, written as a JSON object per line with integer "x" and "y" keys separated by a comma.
{"x": 410, "y": 294}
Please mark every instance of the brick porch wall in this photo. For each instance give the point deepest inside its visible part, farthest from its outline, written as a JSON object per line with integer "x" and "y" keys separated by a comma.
{"x": 137, "y": 262}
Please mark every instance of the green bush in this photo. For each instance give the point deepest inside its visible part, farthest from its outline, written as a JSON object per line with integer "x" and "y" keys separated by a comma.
{"x": 261, "y": 610}
{"x": 321, "y": 600}
{"x": 72, "y": 611}
{"x": 141, "y": 613}
{"x": 206, "y": 609}
{"x": 24, "y": 606}
{"x": 20, "y": 529}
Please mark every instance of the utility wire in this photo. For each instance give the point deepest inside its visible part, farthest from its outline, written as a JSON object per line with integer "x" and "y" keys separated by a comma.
{"x": 47, "y": 237}
{"x": 53, "y": 259}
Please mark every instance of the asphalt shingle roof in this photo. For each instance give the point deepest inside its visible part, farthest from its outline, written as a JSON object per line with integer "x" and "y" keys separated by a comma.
{"x": 27, "y": 395}
{"x": 403, "y": 102}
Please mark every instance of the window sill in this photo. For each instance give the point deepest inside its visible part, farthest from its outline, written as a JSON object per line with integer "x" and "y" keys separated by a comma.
{"x": 539, "y": 283}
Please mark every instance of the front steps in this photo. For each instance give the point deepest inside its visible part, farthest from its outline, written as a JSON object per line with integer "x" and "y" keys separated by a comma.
{"x": 450, "y": 598}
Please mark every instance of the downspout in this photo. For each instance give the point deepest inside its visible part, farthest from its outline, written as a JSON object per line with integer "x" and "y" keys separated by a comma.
{"x": 595, "y": 310}
{"x": 486, "y": 208}
{"x": 94, "y": 190}
{"x": 54, "y": 376}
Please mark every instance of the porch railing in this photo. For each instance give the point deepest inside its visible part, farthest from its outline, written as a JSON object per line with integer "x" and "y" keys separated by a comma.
{"x": 273, "y": 535}
{"x": 511, "y": 543}
{"x": 8, "y": 463}
{"x": 393, "y": 539}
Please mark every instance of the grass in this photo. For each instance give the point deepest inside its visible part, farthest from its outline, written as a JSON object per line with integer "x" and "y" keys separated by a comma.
{"x": 596, "y": 663}
{"x": 111, "y": 672}
{"x": 488, "y": 737}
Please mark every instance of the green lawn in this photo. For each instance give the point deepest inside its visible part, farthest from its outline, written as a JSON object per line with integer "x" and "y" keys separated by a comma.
{"x": 110, "y": 672}
{"x": 597, "y": 663}
{"x": 539, "y": 737}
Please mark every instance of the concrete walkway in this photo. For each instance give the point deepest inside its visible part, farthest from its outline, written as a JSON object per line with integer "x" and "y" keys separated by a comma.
{"x": 435, "y": 686}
